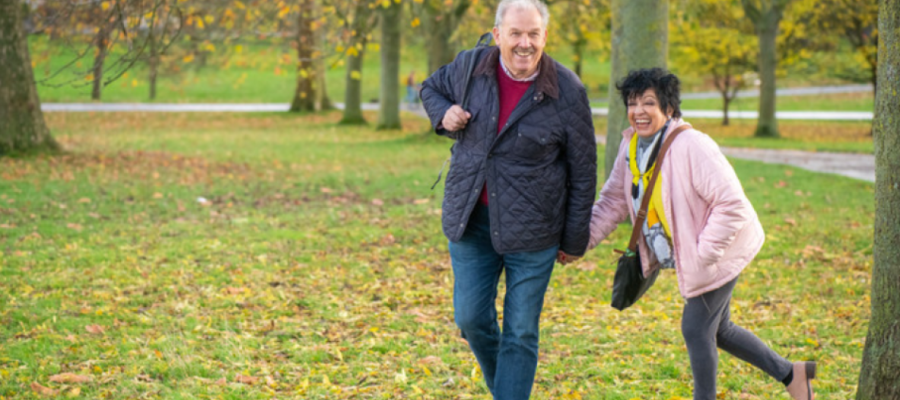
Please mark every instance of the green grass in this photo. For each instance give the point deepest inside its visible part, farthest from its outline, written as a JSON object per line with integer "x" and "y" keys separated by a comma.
{"x": 316, "y": 264}
{"x": 262, "y": 72}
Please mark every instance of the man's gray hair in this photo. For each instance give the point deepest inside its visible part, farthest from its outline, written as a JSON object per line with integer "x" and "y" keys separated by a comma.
{"x": 538, "y": 5}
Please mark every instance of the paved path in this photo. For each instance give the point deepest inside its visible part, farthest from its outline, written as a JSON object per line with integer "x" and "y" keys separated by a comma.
{"x": 803, "y": 91}
{"x": 853, "y": 165}
{"x": 859, "y": 166}
{"x": 782, "y": 115}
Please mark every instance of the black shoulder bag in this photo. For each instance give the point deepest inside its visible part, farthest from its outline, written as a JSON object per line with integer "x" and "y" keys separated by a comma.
{"x": 629, "y": 283}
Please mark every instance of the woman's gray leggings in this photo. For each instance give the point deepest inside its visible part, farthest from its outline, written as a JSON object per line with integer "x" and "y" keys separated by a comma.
{"x": 706, "y": 324}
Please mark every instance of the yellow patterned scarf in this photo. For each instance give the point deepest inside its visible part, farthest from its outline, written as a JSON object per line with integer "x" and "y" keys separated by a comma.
{"x": 655, "y": 213}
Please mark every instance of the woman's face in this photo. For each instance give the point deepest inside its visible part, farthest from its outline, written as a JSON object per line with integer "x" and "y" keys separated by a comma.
{"x": 645, "y": 114}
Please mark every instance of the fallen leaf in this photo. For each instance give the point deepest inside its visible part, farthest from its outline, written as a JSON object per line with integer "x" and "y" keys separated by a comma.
{"x": 790, "y": 221}
{"x": 421, "y": 201}
{"x": 387, "y": 240}
{"x": 84, "y": 200}
{"x": 221, "y": 382}
{"x": 68, "y": 377}
{"x": 42, "y": 390}
{"x": 95, "y": 329}
{"x": 157, "y": 195}
{"x": 76, "y": 227}
{"x": 326, "y": 190}
{"x": 247, "y": 380}
{"x": 71, "y": 338}
{"x": 74, "y": 392}
{"x": 269, "y": 381}
{"x": 431, "y": 360}
{"x": 377, "y": 202}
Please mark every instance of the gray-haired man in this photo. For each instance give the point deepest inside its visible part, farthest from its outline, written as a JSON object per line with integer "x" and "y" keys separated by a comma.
{"x": 520, "y": 188}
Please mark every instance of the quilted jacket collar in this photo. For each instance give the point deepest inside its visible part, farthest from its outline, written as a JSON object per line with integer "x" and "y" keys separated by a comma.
{"x": 547, "y": 81}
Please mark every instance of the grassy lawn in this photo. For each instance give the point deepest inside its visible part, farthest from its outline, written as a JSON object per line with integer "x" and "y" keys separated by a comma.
{"x": 262, "y": 72}
{"x": 844, "y": 137}
{"x": 259, "y": 256}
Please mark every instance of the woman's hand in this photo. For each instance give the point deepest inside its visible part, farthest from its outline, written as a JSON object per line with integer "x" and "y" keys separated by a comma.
{"x": 563, "y": 258}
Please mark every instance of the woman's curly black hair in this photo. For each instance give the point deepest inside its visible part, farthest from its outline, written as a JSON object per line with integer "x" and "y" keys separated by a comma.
{"x": 665, "y": 84}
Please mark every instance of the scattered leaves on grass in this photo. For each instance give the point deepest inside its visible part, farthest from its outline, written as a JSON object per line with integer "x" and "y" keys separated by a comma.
{"x": 68, "y": 377}
{"x": 43, "y": 390}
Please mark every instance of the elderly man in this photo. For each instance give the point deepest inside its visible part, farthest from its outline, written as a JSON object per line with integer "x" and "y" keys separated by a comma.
{"x": 519, "y": 191}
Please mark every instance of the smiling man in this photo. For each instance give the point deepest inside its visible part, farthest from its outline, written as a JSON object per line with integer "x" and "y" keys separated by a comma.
{"x": 520, "y": 188}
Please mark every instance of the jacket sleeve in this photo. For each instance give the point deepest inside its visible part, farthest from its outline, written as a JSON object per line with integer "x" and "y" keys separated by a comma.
{"x": 438, "y": 92}
{"x": 581, "y": 165}
{"x": 611, "y": 208}
{"x": 715, "y": 181}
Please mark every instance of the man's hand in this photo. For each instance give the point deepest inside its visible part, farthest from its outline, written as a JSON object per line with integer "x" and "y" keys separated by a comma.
{"x": 455, "y": 118}
{"x": 563, "y": 258}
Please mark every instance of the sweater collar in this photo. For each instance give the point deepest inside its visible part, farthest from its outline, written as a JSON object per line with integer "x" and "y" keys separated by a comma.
{"x": 546, "y": 81}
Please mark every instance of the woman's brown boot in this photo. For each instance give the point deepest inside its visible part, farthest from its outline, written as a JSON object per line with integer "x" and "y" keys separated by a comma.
{"x": 800, "y": 388}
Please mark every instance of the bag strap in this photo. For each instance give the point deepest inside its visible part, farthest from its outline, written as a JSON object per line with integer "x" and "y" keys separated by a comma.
{"x": 648, "y": 191}
{"x": 483, "y": 41}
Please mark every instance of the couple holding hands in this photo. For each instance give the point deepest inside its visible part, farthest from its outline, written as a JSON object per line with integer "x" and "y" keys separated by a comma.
{"x": 519, "y": 197}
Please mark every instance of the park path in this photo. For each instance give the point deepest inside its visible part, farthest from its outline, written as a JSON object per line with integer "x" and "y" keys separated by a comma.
{"x": 858, "y": 166}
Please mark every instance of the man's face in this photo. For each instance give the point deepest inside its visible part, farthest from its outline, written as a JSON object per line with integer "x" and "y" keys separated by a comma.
{"x": 521, "y": 38}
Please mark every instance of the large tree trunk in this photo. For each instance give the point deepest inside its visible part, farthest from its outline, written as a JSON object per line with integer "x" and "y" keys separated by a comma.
{"x": 22, "y": 127}
{"x": 389, "y": 113}
{"x": 305, "y": 94}
{"x": 880, "y": 374}
{"x": 639, "y": 40}
{"x": 102, "y": 43}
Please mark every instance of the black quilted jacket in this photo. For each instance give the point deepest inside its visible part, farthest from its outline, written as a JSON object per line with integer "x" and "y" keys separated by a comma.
{"x": 541, "y": 170}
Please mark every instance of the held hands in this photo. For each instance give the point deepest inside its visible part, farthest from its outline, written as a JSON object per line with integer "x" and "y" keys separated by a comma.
{"x": 455, "y": 118}
{"x": 563, "y": 258}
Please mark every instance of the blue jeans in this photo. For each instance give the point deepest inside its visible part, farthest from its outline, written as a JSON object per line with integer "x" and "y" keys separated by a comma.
{"x": 508, "y": 360}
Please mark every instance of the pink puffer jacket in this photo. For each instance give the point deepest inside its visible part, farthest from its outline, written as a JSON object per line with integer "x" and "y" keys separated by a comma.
{"x": 715, "y": 230}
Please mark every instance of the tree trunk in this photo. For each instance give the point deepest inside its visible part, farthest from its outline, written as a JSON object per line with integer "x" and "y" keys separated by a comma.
{"x": 725, "y": 103}
{"x": 22, "y": 127}
{"x": 305, "y": 94}
{"x": 442, "y": 24}
{"x": 102, "y": 43}
{"x": 389, "y": 113}
{"x": 639, "y": 40}
{"x": 322, "y": 99}
{"x": 440, "y": 50}
{"x": 880, "y": 374}
{"x": 767, "y": 31}
{"x": 578, "y": 50}
{"x": 766, "y": 18}
{"x": 154, "y": 63}
{"x": 353, "y": 90}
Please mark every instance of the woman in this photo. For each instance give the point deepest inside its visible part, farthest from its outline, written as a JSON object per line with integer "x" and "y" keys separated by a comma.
{"x": 699, "y": 223}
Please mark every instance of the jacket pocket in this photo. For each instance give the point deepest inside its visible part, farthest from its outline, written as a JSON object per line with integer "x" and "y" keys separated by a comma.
{"x": 534, "y": 143}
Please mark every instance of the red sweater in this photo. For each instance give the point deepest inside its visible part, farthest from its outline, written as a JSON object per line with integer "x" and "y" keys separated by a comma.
{"x": 510, "y": 92}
